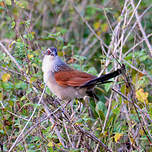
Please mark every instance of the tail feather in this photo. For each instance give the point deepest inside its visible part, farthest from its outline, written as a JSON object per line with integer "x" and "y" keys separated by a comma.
{"x": 103, "y": 79}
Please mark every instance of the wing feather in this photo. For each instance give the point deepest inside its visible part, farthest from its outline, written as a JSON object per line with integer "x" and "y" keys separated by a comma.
{"x": 72, "y": 77}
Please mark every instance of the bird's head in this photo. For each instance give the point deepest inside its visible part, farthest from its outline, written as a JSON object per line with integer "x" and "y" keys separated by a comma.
{"x": 51, "y": 60}
{"x": 52, "y": 52}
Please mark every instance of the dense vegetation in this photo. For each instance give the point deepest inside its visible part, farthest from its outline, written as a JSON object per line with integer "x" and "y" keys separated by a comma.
{"x": 93, "y": 36}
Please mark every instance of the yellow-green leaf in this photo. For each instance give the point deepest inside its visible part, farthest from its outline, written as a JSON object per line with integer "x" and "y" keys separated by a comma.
{"x": 99, "y": 33}
{"x": 104, "y": 27}
{"x": 8, "y": 2}
{"x": 33, "y": 79}
{"x": 30, "y": 56}
{"x": 1, "y": 96}
{"x": 52, "y": 2}
{"x": 132, "y": 140}
{"x": 118, "y": 136}
{"x": 50, "y": 144}
{"x": 6, "y": 77}
{"x": 142, "y": 96}
{"x": 21, "y": 4}
{"x": 141, "y": 132}
{"x": 97, "y": 25}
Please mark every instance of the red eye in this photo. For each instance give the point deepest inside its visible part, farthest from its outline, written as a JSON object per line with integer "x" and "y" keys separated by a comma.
{"x": 51, "y": 51}
{"x": 48, "y": 52}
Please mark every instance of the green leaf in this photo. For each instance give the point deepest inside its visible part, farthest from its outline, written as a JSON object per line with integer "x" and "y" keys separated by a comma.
{"x": 21, "y": 85}
{"x": 92, "y": 105}
{"x": 21, "y": 3}
{"x": 13, "y": 24}
{"x": 92, "y": 70}
{"x": 7, "y": 85}
{"x": 107, "y": 86}
{"x": 8, "y": 2}
{"x": 101, "y": 110}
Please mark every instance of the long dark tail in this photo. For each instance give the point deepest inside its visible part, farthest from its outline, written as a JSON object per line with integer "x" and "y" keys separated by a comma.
{"x": 103, "y": 79}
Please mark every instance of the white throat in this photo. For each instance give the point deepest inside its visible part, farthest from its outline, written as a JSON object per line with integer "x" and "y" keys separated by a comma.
{"x": 47, "y": 63}
{"x": 50, "y": 64}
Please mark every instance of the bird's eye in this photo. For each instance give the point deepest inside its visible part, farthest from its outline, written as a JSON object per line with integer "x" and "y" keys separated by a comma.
{"x": 48, "y": 52}
{"x": 51, "y": 51}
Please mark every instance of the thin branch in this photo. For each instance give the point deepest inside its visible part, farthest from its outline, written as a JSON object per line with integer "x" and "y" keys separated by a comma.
{"x": 36, "y": 124}
{"x": 136, "y": 46}
{"x": 108, "y": 112}
{"x": 21, "y": 133}
{"x": 126, "y": 98}
{"x": 12, "y": 58}
{"x": 28, "y": 79}
{"x": 131, "y": 96}
{"x": 90, "y": 28}
{"x": 18, "y": 66}
{"x": 66, "y": 130}
{"x": 53, "y": 122}
{"x": 141, "y": 28}
{"x": 143, "y": 72}
{"x": 60, "y": 15}
{"x": 93, "y": 137}
{"x": 84, "y": 132}
{"x": 126, "y": 37}
{"x": 86, "y": 50}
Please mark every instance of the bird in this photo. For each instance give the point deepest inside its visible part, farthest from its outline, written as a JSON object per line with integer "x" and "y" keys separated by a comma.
{"x": 68, "y": 83}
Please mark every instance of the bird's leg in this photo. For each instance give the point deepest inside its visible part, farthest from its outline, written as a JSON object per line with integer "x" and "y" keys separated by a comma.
{"x": 63, "y": 107}
{"x": 91, "y": 93}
